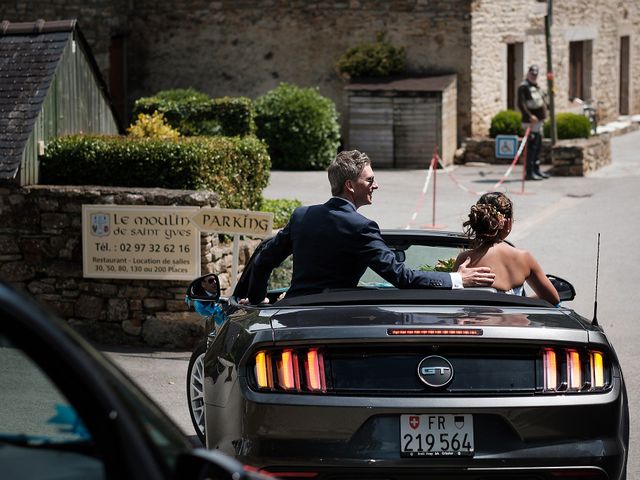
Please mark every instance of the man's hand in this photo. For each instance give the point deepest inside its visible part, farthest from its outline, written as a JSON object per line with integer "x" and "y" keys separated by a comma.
{"x": 534, "y": 119}
{"x": 477, "y": 276}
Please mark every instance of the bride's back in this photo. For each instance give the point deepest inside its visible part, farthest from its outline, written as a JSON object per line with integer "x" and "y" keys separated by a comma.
{"x": 490, "y": 222}
{"x": 509, "y": 264}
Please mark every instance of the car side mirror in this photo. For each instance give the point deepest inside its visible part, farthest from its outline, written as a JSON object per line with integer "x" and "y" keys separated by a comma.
{"x": 566, "y": 292}
{"x": 205, "y": 288}
{"x": 201, "y": 464}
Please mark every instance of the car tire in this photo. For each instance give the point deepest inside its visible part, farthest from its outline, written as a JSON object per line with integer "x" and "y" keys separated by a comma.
{"x": 195, "y": 389}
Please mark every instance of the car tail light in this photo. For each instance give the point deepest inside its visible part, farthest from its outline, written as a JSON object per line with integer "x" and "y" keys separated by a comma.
{"x": 263, "y": 370}
{"x": 290, "y": 370}
{"x": 314, "y": 367}
{"x": 597, "y": 370}
{"x": 572, "y": 370}
{"x": 550, "y": 369}
{"x": 435, "y": 331}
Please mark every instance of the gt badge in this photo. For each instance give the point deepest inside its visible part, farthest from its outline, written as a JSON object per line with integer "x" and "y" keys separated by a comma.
{"x": 435, "y": 371}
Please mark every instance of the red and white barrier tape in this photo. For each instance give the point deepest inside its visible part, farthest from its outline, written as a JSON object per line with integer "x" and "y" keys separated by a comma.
{"x": 436, "y": 159}
{"x": 499, "y": 182}
{"x": 423, "y": 194}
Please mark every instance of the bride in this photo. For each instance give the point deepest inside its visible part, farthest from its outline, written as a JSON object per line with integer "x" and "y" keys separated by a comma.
{"x": 490, "y": 222}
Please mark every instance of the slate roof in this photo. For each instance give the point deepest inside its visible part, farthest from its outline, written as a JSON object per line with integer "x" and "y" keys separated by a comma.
{"x": 29, "y": 56}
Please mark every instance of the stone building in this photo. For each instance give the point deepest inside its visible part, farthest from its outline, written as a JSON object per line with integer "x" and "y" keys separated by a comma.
{"x": 241, "y": 47}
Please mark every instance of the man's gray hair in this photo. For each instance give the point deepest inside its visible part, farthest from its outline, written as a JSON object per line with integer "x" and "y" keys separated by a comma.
{"x": 347, "y": 165}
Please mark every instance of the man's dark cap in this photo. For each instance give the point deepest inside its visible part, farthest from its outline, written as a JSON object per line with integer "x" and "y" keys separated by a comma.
{"x": 533, "y": 69}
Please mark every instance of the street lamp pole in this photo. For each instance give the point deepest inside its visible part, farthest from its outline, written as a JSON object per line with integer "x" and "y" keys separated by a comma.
{"x": 548, "y": 21}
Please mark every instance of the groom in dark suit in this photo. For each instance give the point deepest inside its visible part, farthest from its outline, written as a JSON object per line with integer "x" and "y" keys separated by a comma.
{"x": 332, "y": 244}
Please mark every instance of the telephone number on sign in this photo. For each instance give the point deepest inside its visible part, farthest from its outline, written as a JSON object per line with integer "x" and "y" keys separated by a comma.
{"x": 142, "y": 247}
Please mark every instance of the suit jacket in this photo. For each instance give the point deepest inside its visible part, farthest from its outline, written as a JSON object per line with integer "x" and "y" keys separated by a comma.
{"x": 332, "y": 245}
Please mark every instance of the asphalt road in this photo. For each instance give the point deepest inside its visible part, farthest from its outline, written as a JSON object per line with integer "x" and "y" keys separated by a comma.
{"x": 557, "y": 219}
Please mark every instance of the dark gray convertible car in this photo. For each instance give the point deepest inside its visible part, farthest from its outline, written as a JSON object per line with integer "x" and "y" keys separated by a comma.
{"x": 381, "y": 383}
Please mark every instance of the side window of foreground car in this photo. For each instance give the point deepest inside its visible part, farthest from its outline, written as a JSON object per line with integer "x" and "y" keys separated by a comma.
{"x": 41, "y": 434}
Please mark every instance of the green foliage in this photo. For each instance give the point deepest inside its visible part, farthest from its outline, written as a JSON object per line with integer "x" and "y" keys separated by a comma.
{"x": 569, "y": 125}
{"x": 506, "y": 122}
{"x": 281, "y": 208}
{"x": 300, "y": 126}
{"x": 280, "y": 277}
{"x": 195, "y": 113}
{"x": 377, "y": 59}
{"x": 237, "y": 168}
{"x": 235, "y": 115}
{"x": 152, "y": 126}
{"x": 443, "y": 265}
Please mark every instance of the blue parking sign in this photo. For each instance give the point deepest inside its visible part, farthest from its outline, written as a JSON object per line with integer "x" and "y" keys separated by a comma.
{"x": 506, "y": 146}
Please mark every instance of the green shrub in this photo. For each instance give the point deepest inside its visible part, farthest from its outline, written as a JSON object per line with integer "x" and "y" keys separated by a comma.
{"x": 187, "y": 110}
{"x": 237, "y": 168}
{"x": 506, "y": 122}
{"x": 281, "y": 208}
{"x": 300, "y": 126}
{"x": 152, "y": 126}
{"x": 569, "y": 125}
{"x": 235, "y": 115}
{"x": 195, "y": 113}
{"x": 377, "y": 59}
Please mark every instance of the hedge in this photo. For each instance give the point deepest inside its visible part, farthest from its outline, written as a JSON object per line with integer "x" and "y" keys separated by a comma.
{"x": 300, "y": 126}
{"x": 237, "y": 168}
{"x": 506, "y": 122}
{"x": 569, "y": 125}
{"x": 281, "y": 208}
{"x": 195, "y": 113}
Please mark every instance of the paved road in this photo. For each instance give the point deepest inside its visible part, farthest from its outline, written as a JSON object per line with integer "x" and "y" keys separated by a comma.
{"x": 558, "y": 219}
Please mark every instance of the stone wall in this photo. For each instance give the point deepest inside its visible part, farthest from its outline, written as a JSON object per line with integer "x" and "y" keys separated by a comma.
{"x": 495, "y": 24}
{"x": 576, "y": 158}
{"x": 579, "y": 157}
{"x": 482, "y": 149}
{"x": 242, "y": 47}
{"x": 41, "y": 253}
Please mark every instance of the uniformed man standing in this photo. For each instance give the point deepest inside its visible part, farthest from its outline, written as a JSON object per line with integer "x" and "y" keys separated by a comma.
{"x": 531, "y": 103}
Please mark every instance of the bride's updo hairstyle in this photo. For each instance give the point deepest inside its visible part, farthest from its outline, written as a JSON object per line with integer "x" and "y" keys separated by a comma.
{"x": 487, "y": 218}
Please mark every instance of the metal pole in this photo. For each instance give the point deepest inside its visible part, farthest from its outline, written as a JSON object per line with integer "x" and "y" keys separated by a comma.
{"x": 234, "y": 260}
{"x": 524, "y": 157}
{"x": 548, "y": 21}
{"x": 434, "y": 162}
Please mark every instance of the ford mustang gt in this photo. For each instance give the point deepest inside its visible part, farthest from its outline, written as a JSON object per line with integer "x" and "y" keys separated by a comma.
{"x": 380, "y": 383}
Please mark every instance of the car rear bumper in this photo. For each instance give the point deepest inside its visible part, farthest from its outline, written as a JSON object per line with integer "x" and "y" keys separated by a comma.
{"x": 526, "y": 437}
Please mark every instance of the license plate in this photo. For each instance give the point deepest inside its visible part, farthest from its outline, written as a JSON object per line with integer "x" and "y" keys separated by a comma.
{"x": 436, "y": 435}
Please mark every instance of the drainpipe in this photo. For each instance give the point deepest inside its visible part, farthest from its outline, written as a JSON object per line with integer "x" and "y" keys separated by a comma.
{"x": 548, "y": 21}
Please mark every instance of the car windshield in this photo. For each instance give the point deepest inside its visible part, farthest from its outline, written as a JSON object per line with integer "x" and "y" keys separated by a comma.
{"x": 417, "y": 257}
{"x": 413, "y": 252}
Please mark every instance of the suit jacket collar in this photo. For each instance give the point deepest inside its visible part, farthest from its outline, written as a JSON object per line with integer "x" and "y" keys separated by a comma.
{"x": 342, "y": 203}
